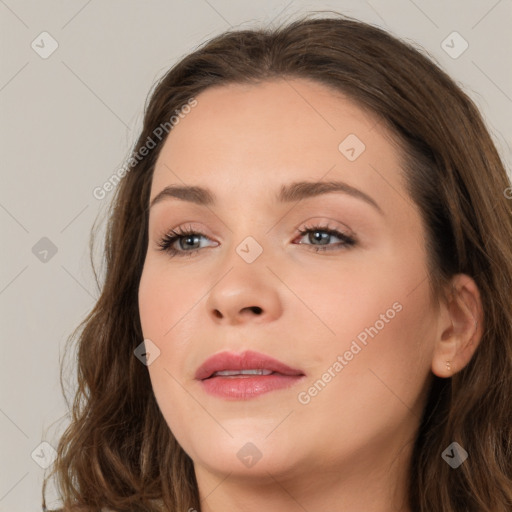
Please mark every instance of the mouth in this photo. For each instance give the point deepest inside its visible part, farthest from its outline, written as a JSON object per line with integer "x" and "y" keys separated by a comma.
{"x": 247, "y": 375}
{"x": 230, "y": 364}
{"x": 242, "y": 373}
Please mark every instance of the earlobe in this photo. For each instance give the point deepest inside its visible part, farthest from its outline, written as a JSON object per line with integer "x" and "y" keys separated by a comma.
{"x": 460, "y": 327}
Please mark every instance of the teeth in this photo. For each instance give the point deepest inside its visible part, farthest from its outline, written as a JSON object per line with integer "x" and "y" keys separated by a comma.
{"x": 228, "y": 373}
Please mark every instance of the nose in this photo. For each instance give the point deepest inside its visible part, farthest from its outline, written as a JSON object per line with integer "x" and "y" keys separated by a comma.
{"x": 246, "y": 293}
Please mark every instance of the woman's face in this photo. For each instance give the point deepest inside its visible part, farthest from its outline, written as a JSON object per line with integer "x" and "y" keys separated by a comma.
{"x": 350, "y": 313}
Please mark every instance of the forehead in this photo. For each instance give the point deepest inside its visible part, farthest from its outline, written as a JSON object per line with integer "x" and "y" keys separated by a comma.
{"x": 260, "y": 135}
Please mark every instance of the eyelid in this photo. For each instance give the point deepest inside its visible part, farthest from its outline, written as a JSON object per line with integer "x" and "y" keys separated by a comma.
{"x": 196, "y": 227}
{"x": 325, "y": 223}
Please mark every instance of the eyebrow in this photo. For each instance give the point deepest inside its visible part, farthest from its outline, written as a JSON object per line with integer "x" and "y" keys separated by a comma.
{"x": 288, "y": 193}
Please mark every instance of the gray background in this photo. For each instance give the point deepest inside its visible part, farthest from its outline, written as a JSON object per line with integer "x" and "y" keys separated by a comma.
{"x": 69, "y": 121}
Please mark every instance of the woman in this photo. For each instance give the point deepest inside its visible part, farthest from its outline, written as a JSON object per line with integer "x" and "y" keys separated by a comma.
{"x": 230, "y": 364}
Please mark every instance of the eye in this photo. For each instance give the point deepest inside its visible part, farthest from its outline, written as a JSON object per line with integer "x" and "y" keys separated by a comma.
{"x": 186, "y": 242}
{"x": 186, "y": 239}
{"x": 319, "y": 236}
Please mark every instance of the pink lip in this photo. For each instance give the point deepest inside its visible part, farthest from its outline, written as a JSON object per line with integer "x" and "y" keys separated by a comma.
{"x": 245, "y": 386}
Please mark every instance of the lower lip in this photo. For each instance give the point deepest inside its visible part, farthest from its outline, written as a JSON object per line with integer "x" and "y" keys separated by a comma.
{"x": 245, "y": 387}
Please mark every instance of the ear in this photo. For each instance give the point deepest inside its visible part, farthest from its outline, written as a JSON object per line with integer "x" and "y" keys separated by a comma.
{"x": 460, "y": 327}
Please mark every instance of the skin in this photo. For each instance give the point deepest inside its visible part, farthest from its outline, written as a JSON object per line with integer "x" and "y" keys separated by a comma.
{"x": 348, "y": 448}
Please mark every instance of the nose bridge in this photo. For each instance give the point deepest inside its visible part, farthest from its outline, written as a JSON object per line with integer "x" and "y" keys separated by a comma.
{"x": 250, "y": 235}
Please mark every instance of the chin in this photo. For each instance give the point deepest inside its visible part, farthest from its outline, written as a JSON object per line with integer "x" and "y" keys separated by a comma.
{"x": 246, "y": 457}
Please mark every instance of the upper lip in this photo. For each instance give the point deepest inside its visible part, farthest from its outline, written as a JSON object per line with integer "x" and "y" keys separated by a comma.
{"x": 247, "y": 360}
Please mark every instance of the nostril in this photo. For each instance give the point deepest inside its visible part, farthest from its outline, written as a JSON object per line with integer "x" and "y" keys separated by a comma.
{"x": 254, "y": 309}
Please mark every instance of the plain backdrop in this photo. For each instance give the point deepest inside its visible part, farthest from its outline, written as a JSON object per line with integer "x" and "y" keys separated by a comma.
{"x": 68, "y": 121}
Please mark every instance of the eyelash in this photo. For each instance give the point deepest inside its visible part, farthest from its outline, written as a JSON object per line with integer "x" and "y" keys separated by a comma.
{"x": 167, "y": 241}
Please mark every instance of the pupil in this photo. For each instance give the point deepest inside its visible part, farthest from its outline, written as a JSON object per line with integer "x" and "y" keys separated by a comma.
{"x": 321, "y": 236}
{"x": 191, "y": 239}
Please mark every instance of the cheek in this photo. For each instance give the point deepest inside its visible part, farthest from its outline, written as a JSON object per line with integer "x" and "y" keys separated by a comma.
{"x": 368, "y": 382}
{"x": 343, "y": 300}
{"x": 378, "y": 318}
{"x": 380, "y": 345}
{"x": 164, "y": 299}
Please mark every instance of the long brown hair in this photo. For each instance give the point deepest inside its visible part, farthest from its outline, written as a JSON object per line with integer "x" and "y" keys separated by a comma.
{"x": 118, "y": 452}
